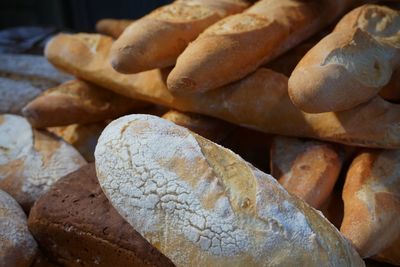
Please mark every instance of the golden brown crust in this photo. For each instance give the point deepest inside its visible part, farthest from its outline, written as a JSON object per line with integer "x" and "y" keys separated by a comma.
{"x": 237, "y": 45}
{"x": 112, "y": 27}
{"x": 372, "y": 203}
{"x": 391, "y": 91}
{"x": 171, "y": 27}
{"x": 267, "y": 108}
{"x": 307, "y": 169}
{"x": 77, "y": 102}
{"x": 349, "y": 66}
{"x": 210, "y": 128}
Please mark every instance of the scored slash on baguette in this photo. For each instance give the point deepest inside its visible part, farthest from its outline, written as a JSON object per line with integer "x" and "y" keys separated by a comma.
{"x": 156, "y": 40}
{"x": 202, "y": 205}
{"x": 349, "y": 66}
{"x": 259, "y": 101}
{"x": 237, "y": 45}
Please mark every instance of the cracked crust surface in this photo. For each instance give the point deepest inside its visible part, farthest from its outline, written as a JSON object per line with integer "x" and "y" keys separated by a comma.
{"x": 201, "y": 205}
{"x": 17, "y": 246}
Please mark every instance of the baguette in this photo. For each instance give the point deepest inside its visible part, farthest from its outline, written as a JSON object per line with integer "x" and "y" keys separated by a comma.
{"x": 112, "y": 27}
{"x": 31, "y": 161}
{"x": 210, "y": 128}
{"x": 350, "y": 65}
{"x": 82, "y": 137}
{"x": 74, "y": 220}
{"x": 306, "y": 169}
{"x": 77, "y": 102}
{"x": 236, "y": 46}
{"x": 202, "y": 205}
{"x": 156, "y": 40}
{"x": 371, "y": 196}
{"x": 17, "y": 246}
{"x": 260, "y": 101}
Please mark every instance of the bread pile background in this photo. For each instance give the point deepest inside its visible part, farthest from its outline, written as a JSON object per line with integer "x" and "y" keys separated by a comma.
{"x": 207, "y": 133}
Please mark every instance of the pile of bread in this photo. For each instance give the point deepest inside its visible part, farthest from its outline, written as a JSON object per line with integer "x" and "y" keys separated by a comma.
{"x": 156, "y": 154}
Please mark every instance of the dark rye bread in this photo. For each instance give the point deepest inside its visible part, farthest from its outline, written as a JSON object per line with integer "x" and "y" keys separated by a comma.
{"x": 75, "y": 225}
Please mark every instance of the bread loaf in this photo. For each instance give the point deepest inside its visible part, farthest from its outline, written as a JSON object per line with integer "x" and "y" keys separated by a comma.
{"x": 156, "y": 40}
{"x": 260, "y": 101}
{"x": 77, "y": 102}
{"x": 350, "y": 65}
{"x": 17, "y": 246}
{"x": 112, "y": 27}
{"x": 236, "y": 46}
{"x": 31, "y": 161}
{"x": 307, "y": 169}
{"x": 22, "y": 78}
{"x": 210, "y": 128}
{"x": 77, "y": 226}
{"x": 82, "y": 137}
{"x": 202, "y": 205}
{"x": 371, "y": 197}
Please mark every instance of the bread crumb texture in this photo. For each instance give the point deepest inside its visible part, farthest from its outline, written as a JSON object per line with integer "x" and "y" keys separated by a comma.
{"x": 201, "y": 204}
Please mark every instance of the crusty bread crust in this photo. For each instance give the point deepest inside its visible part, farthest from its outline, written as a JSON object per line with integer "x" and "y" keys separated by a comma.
{"x": 237, "y": 45}
{"x": 17, "y": 246}
{"x": 202, "y": 205}
{"x": 112, "y": 27}
{"x": 371, "y": 197}
{"x": 307, "y": 169}
{"x": 349, "y": 66}
{"x": 78, "y": 102}
{"x": 259, "y": 101}
{"x": 156, "y": 40}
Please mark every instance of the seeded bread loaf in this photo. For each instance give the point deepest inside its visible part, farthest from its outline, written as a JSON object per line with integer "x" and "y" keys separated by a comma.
{"x": 31, "y": 161}
{"x": 237, "y": 45}
{"x": 351, "y": 65}
{"x": 156, "y": 40}
{"x": 259, "y": 101}
{"x": 371, "y": 197}
{"x": 77, "y": 102}
{"x": 112, "y": 27}
{"x": 307, "y": 169}
{"x": 76, "y": 226}
{"x": 17, "y": 246}
{"x": 202, "y": 205}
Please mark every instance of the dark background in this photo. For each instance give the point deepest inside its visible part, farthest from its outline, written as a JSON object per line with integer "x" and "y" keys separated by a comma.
{"x": 78, "y": 15}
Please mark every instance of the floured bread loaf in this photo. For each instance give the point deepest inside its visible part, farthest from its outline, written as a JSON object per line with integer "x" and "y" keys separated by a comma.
{"x": 371, "y": 197}
{"x": 77, "y": 102}
{"x": 31, "y": 161}
{"x": 202, "y": 205}
{"x": 17, "y": 246}
{"x": 22, "y": 78}
{"x": 82, "y": 137}
{"x": 307, "y": 169}
{"x": 112, "y": 27}
{"x": 76, "y": 226}
{"x": 350, "y": 65}
{"x": 237, "y": 45}
{"x": 259, "y": 101}
{"x": 156, "y": 40}
{"x": 210, "y": 128}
